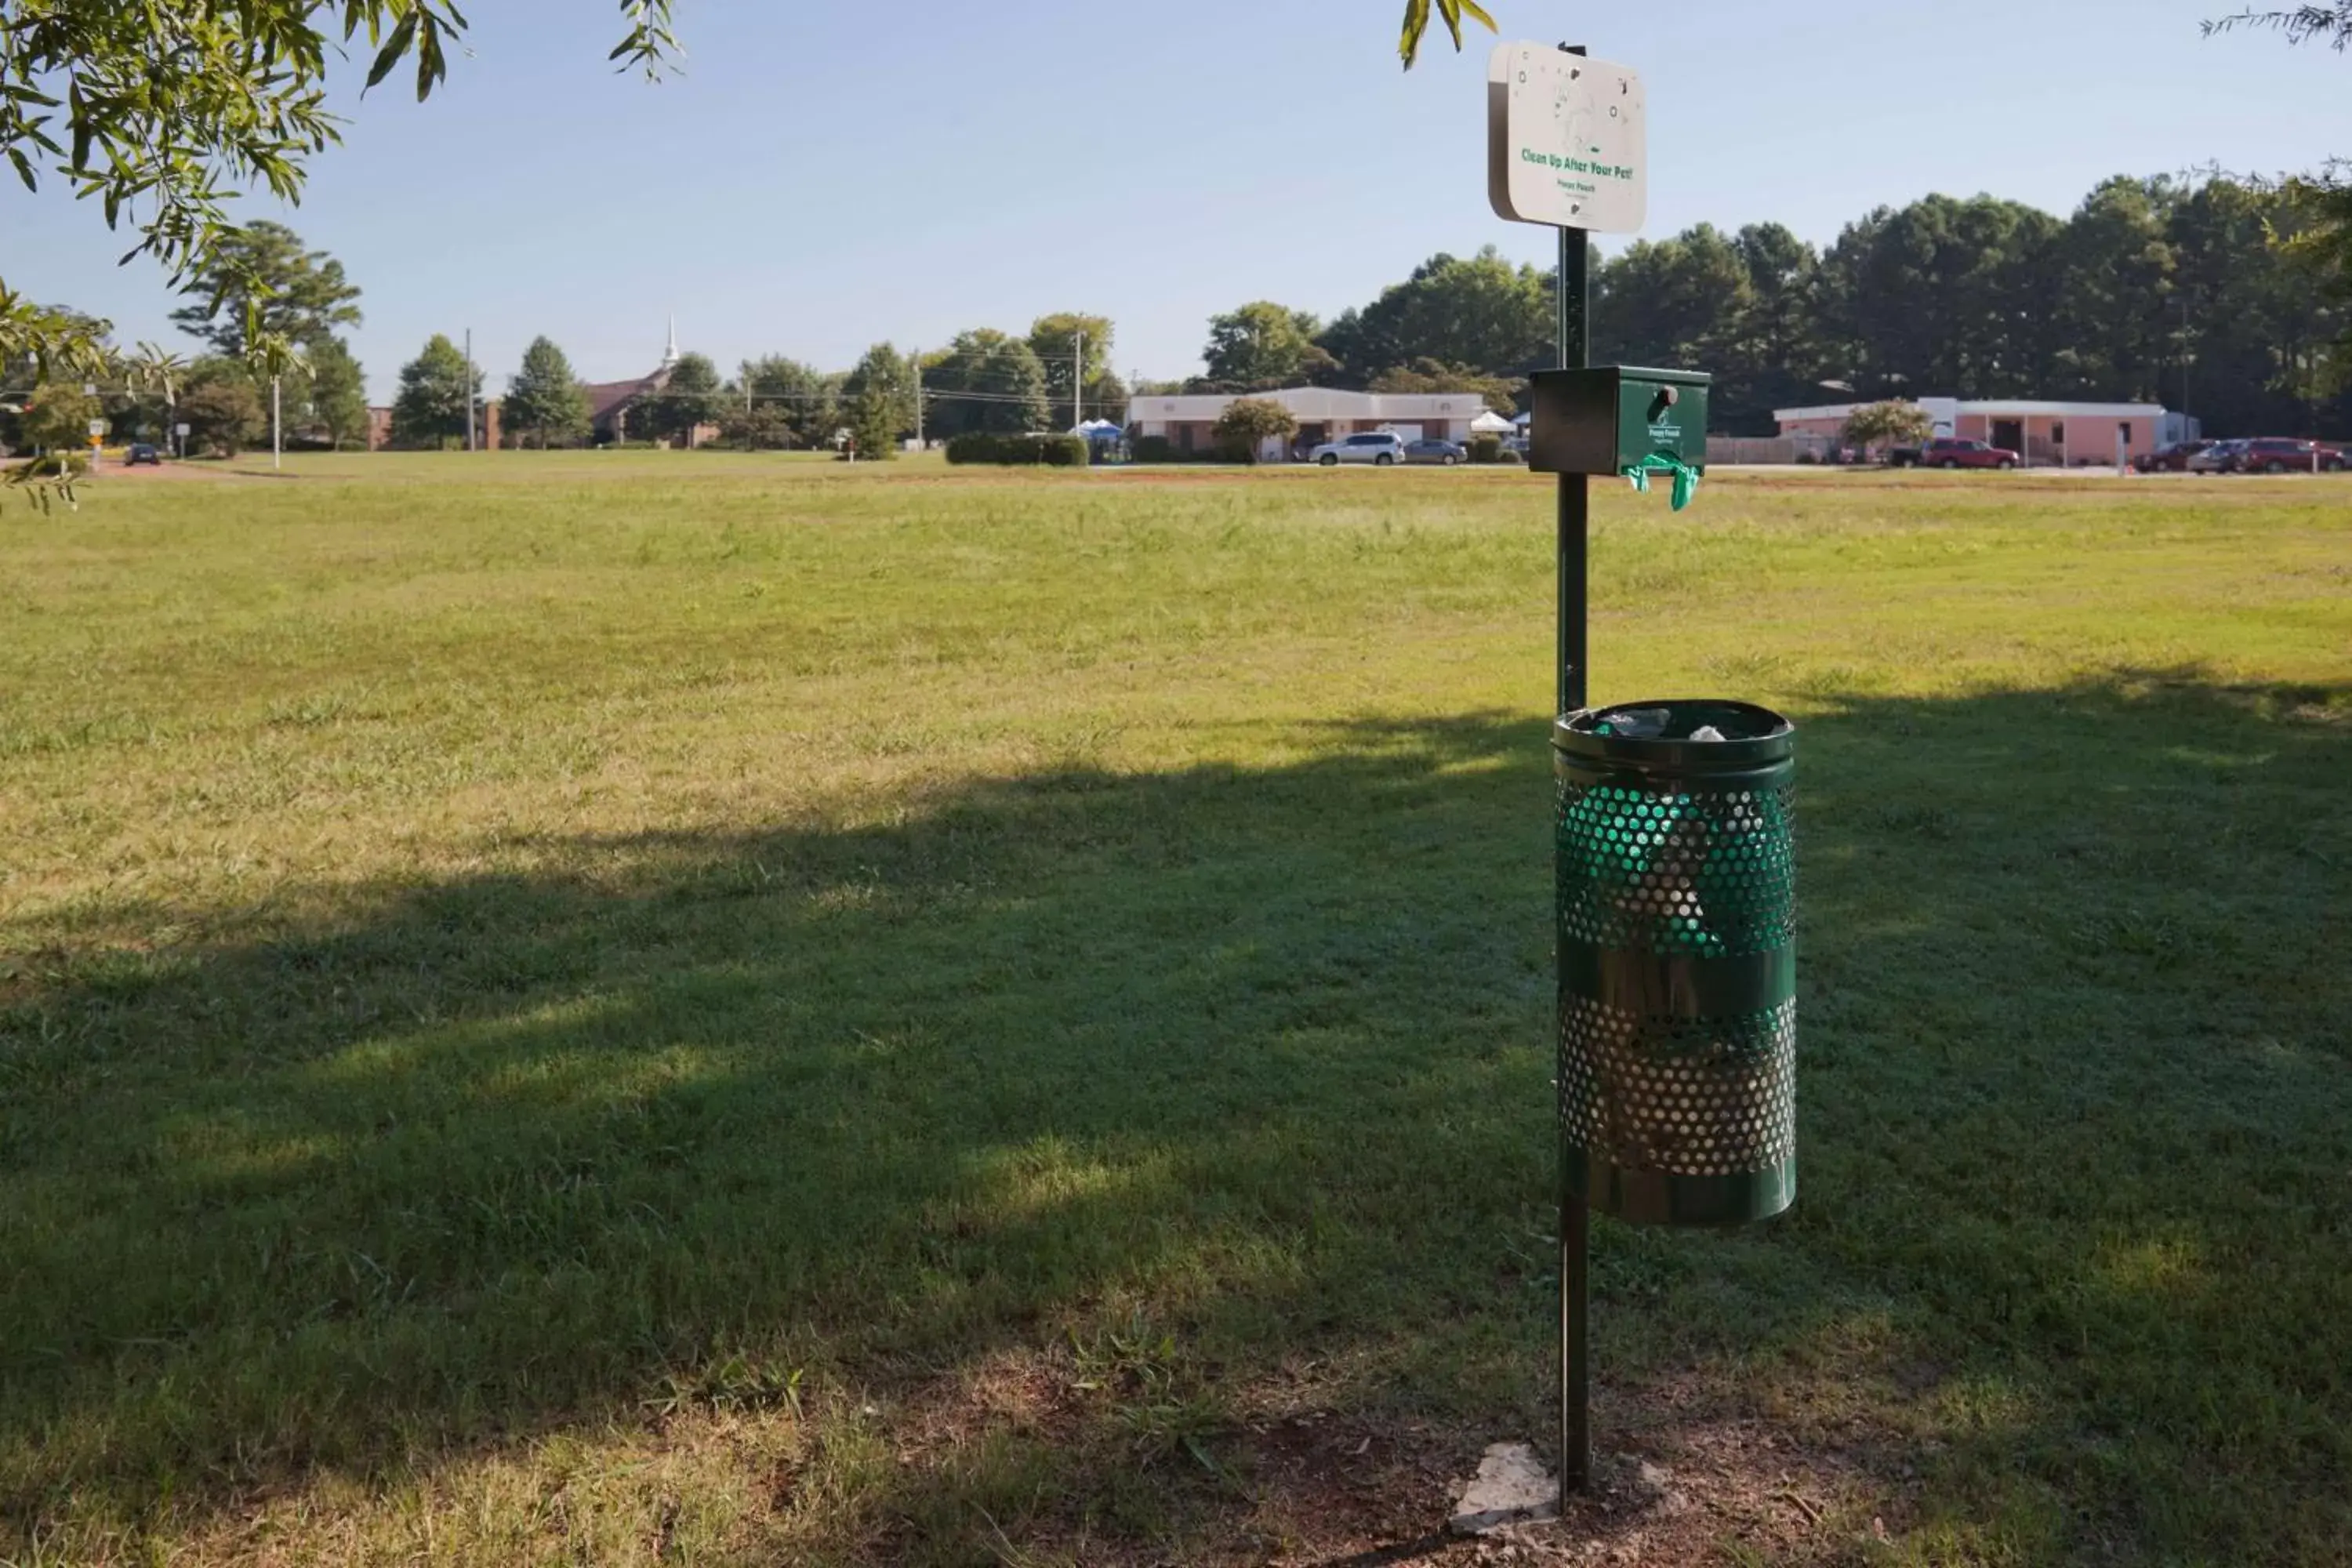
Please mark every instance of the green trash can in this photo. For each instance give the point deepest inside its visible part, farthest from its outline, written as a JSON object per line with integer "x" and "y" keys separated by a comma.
{"x": 1678, "y": 960}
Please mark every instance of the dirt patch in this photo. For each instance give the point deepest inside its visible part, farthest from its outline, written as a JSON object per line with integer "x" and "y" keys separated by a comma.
{"x": 152, "y": 473}
{"x": 1343, "y": 1494}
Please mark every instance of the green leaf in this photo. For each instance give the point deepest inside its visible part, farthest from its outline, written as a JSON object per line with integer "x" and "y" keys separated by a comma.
{"x": 24, "y": 168}
{"x": 1416, "y": 23}
{"x": 394, "y": 46}
{"x": 430, "y": 67}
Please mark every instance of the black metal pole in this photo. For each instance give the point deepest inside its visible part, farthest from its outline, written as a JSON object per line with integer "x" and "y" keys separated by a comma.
{"x": 1575, "y": 1374}
{"x": 1573, "y": 498}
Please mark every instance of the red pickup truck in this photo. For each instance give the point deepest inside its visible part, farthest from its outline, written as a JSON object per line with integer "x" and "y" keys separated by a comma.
{"x": 1945, "y": 452}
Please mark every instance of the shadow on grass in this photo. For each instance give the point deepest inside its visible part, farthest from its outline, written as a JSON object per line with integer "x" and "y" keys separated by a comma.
{"x": 1257, "y": 1061}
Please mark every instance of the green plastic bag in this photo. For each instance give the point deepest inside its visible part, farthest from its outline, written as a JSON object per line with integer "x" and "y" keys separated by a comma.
{"x": 1686, "y": 476}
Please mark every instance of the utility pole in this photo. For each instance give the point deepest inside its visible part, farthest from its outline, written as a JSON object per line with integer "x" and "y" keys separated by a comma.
{"x": 915, "y": 358}
{"x": 2186, "y": 359}
{"x": 469, "y": 389}
{"x": 1077, "y": 380}
{"x": 277, "y": 446}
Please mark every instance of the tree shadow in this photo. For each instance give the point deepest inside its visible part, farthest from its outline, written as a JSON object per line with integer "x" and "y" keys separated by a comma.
{"x": 1260, "y": 1054}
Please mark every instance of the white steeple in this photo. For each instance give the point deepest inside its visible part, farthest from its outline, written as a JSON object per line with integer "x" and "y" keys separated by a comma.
{"x": 669, "y": 354}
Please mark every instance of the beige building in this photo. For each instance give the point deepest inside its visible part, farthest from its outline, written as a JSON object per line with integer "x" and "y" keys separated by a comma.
{"x": 2043, "y": 434}
{"x": 1324, "y": 413}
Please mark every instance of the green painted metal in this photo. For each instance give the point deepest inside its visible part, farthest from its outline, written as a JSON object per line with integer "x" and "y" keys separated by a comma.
{"x": 1676, "y": 911}
{"x": 1574, "y": 294}
{"x": 1605, "y": 419}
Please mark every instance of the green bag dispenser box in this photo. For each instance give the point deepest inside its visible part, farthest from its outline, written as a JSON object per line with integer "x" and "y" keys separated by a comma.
{"x": 1606, "y": 419}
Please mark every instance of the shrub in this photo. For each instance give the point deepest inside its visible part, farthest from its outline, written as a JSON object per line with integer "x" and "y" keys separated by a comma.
{"x": 1486, "y": 449}
{"x": 1153, "y": 449}
{"x": 222, "y": 410}
{"x": 1247, "y": 424}
{"x": 1052, "y": 451}
{"x": 1890, "y": 424}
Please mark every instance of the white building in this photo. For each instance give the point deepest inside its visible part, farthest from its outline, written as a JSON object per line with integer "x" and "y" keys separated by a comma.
{"x": 2046, "y": 435}
{"x": 1324, "y": 413}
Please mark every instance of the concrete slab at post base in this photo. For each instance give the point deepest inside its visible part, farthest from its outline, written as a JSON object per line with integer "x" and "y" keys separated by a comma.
{"x": 1511, "y": 1488}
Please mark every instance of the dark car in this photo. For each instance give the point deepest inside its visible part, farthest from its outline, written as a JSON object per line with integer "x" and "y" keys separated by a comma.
{"x": 1947, "y": 452}
{"x": 1432, "y": 450}
{"x": 2216, "y": 458}
{"x": 2171, "y": 459}
{"x": 2279, "y": 455}
{"x": 144, "y": 453}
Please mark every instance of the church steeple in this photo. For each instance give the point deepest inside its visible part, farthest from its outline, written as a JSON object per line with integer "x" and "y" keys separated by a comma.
{"x": 669, "y": 354}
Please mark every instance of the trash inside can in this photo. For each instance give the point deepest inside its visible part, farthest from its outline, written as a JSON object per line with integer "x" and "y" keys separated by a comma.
{"x": 1677, "y": 960}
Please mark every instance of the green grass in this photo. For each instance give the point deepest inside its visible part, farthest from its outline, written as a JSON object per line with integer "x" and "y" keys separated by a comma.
{"x": 712, "y": 1009}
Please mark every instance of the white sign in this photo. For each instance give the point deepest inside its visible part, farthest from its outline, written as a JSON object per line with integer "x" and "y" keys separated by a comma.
{"x": 180, "y": 429}
{"x": 97, "y": 429}
{"x": 1567, "y": 140}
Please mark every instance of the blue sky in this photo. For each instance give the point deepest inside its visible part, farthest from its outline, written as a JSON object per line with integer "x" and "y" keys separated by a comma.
{"x": 826, "y": 175}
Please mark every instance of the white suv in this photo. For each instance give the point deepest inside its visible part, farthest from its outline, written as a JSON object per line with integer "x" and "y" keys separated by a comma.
{"x": 1382, "y": 447}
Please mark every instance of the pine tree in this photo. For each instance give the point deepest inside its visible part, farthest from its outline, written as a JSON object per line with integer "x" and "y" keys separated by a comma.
{"x": 336, "y": 391}
{"x": 878, "y": 401}
{"x": 987, "y": 382}
{"x": 434, "y": 391}
{"x": 308, "y": 296}
{"x": 545, "y": 398}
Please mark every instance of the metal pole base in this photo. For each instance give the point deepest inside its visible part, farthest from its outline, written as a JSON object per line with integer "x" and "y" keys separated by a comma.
{"x": 1575, "y": 1370}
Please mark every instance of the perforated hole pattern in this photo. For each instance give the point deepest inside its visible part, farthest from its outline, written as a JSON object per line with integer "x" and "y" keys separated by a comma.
{"x": 1705, "y": 1097}
{"x": 1706, "y": 873}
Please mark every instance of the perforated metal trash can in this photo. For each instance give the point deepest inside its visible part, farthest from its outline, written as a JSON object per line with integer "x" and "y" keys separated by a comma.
{"x": 1678, "y": 960}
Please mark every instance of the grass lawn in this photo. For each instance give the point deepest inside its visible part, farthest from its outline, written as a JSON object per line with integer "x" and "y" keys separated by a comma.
{"x": 687, "y": 1008}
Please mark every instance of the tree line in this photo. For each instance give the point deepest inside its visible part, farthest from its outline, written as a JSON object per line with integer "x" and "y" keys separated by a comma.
{"x": 2208, "y": 294}
{"x": 985, "y": 381}
{"x": 262, "y": 284}
{"x": 149, "y": 137}
{"x": 2214, "y": 295}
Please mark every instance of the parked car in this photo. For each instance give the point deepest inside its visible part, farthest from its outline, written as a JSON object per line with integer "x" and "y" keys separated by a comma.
{"x": 1380, "y": 446}
{"x": 2172, "y": 459}
{"x": 1950, "y": 452}
{"x": 2278, "y": 455}
{"x": 142, "y": 453}
{"x": 2215, "y": 458}
{"x": 1432, "y": 450}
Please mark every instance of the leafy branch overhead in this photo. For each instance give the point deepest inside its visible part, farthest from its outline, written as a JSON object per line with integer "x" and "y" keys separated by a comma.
{"x": 1416, "y": 24}
{"x": 2301, "y": 24}
{"x": 162, "y": 113}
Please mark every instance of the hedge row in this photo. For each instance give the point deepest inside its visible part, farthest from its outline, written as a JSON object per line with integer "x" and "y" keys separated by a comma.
{"x": 1160, "y": 449}
{"x": 1053, "y": 451}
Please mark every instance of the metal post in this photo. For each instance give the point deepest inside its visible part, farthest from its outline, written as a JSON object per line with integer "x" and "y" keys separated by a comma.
{"x": 1574, "y": 499}
{"x": 277, "y": 447}
{"x": 1570, "y": 694}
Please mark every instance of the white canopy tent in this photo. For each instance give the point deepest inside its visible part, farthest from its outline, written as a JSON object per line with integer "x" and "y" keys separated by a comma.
{"x": 1491, "y": 423}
